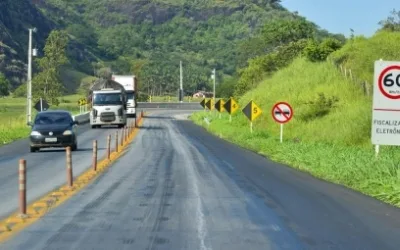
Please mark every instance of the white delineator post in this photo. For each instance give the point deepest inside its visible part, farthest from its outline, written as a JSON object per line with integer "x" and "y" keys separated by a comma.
{"x": 22, "y": 186}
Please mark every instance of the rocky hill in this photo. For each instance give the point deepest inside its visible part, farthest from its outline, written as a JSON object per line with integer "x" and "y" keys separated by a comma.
{"x": 16, "y": 16}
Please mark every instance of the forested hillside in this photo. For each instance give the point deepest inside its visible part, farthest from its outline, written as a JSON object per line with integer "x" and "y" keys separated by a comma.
{"x": 149, "y": 38}
{"x": 16, "y": 16}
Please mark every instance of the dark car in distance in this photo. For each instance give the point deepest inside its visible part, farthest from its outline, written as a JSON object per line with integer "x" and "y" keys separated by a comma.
{"x": 53, "y": 129}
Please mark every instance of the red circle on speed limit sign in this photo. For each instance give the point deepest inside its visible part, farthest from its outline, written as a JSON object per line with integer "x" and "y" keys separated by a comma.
{"x": 389, "y": 82}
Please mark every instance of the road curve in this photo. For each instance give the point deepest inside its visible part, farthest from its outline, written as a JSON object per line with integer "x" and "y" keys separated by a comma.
{"x": 46, "y": 168}
{"x": 179, "y": 187}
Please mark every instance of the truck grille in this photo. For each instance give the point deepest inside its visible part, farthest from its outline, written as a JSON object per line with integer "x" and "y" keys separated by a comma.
{"x": 107, "y": 117}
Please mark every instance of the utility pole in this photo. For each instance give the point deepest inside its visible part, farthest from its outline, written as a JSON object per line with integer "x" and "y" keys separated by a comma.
{"x": 181, "y": 84}
{"x": 214, "y": 76}
{"x": 29, "y": 78}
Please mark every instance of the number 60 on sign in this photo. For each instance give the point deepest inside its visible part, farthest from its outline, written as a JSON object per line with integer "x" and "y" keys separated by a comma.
{"x": 389, "y": 82}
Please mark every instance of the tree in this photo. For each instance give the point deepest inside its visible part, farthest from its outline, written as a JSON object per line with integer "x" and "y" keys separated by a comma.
{"x": 315, "y": 51}
{"x": 104, "y": 73}
{"x": 20, "y": 91}
{"x": 137, "y": 66}
{"x": 4, "y": 85}
{"x": 226, "y": 88}
{"x": 121, "y": 66}
{"x": 282, "y": 31}
{"x": 277, "y": 33}
{"x": 85, "y": 85}
{"x": 83, "y": 34}
{"x": 47, "y": 83}
{"x": 392, "y": 23}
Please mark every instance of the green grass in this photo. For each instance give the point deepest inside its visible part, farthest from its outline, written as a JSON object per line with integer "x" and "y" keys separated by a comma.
{"x": 360, "y": 53}
{"x": 13, "y": 116}
{"x": 333, "y": 145}
{"x": 300, "y": 84}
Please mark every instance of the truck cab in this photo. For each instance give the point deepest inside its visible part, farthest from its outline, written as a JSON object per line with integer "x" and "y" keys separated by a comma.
{"x": 108, "y": 108}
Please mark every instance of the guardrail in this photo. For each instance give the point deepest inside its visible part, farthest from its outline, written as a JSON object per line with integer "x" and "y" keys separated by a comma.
{"x": 82, "y": 118}
{"x": 169, "y": 105}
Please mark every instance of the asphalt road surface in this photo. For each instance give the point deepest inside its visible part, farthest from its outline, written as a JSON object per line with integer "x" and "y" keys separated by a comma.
{"x": 46, "y": 169}
{"x": 181, "y": 188}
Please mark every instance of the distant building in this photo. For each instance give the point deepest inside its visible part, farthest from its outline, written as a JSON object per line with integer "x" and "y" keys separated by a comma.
{"x": 202, "y": 94}
{"x": 199, "y": 94}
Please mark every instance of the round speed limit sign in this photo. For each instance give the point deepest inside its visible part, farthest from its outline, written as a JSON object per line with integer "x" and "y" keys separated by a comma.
{"x": 389, "y": 82}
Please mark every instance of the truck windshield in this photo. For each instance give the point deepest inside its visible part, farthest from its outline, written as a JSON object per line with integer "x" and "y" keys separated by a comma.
{"x": 129, "y": 96}
{"x": 107, "y": 99}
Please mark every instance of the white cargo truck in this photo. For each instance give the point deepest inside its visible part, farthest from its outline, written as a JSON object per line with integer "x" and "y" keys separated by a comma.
{"x": 129, "y": 82}
{"x": 108, "y": 100}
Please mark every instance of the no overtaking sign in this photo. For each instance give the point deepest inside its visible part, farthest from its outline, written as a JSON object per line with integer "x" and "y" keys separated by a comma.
{"x": 282, "y": 112}
{"x": 386, "y": 104}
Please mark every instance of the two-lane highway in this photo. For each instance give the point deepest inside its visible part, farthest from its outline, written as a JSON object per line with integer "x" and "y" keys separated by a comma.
{"x": 179, "y": 187}
{"x": 46, "y": 168}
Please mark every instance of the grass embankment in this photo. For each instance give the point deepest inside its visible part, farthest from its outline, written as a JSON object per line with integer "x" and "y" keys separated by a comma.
{"x": 329, "y": 139}
{"x": 13, "y": 116}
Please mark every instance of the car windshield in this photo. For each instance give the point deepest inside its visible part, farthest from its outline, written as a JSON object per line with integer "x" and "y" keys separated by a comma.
{"x": 53, "y": 118}
{"x": 107, "y": 99}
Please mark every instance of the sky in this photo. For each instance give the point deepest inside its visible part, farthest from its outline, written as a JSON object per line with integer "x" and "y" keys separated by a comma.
{"x": 339, "y": 16}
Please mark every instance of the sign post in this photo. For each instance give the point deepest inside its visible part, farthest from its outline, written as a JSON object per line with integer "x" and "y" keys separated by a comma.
{"x": 386, "y": 107}
{"x": 282, "y": 113}
{"x": 231, "y": 107}
{"x": 252, "y": 112}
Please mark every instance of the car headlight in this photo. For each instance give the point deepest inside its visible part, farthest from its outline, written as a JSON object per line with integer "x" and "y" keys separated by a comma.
{"x": 67, "y": 132}
{"x": 35, "y": 133}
